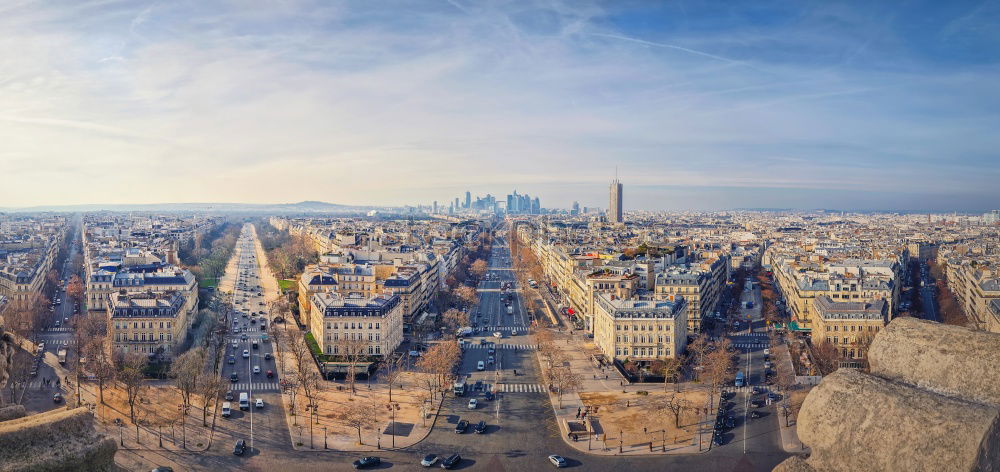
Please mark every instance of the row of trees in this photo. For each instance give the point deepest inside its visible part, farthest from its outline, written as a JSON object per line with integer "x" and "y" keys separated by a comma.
{"x": 558, "y": 374}
{"x": 287, "y": 254}
{"x": 208, "y": 254}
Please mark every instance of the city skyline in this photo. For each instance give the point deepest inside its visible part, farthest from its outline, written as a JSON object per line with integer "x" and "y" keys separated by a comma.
{"x": 758, "y": 109}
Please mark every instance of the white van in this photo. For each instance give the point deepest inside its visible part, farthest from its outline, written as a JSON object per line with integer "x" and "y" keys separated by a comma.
{"x": 244, "y": 401}
{"x": 226, "y": 410}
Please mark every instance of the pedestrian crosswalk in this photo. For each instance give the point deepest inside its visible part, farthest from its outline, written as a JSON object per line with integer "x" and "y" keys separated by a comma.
{"x": 503, "y": 346}
{"x": 245, "y": 386}
{"x": 506, "y": 329}
{"x": 61, "y": 329}
{"x": 59, "y": 342}
{"x": 518, "y": 387}
{"x": 750, "y": 346}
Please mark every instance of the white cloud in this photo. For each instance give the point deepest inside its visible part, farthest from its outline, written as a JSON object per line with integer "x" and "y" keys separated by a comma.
{"x": 359, "y": 103}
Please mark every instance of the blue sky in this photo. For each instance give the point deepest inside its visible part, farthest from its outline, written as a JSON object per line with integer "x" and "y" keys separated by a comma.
{"x": 701, "y": 105}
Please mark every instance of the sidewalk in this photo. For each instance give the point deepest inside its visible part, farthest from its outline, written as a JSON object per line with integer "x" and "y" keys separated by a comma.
{"x": 595, "y": 381}
{"x": 414, "y": 420}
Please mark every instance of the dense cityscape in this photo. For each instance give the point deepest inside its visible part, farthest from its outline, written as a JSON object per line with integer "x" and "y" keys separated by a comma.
{"x": 499, "y": 236}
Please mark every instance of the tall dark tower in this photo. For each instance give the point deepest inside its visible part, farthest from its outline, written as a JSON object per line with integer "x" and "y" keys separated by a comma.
{"x": 615, "y": 206}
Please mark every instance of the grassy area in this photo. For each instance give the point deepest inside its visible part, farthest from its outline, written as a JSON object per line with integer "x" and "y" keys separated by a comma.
{"x": 208, "y": 283}
{"x": 285, "y": 284}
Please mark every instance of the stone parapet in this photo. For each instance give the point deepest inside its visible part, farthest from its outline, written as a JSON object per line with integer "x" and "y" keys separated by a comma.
{"x": 929, "y": 403}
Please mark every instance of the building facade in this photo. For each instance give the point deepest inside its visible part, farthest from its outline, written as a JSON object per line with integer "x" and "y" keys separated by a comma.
{"x": 377, "y": 321}
{"x": 642, "y": 331}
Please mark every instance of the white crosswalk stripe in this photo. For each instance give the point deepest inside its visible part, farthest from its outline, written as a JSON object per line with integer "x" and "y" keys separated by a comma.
{"x": 750, "y": 345}
{"x": 506, "y": 329}
{"x": 503, "y": 346}
{"x": 244, "y": 386}
{"x": 63, "y": 329}
{"x": 517, "y": 388}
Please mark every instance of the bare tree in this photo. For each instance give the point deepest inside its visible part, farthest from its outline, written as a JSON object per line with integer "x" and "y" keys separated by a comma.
{"x": 392, "y": 369}
{"x": 478, "y": 268}
{"x": 670, "y": 368}
{"x": 698, "y": 349}
{"x": 826, "y": 356}
{"x": 564, "y": 380}
{"x": 466, "y": 295}
{"x": 210, "y": 388}
{"x": 130, "y": 367}
{"x": 439, "y": 361}
{"x": 677, "y": 406}
{"x": 454, "y": 319}
{"x": 187, "y": 369}
{"x": 310, "y": 383}
{"x": 74, "y": 288}
{"x": 353, "y": 349}
{"x": 719, "y": 366}
{"x": 101, "y": 364}
{"x": 358, "y": 417}
{"x": 19, "y": 375}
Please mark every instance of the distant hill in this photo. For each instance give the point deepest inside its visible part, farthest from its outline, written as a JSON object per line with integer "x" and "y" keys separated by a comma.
{"x": 300, "y": 207}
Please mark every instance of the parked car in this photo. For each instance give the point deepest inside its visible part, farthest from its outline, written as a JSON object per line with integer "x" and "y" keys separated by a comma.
{"x": 451, "y": 461}
{"x": 240, "y": 448}
{"x": 473, "y": 404}
{"x": 488, "y": 395}
{"x": 557, "y": 461}
{"x": 480, "y": 427}
{"x": 461, "y": 426}
{"x": 57, "y": 397}
{"x": 259, "y": 403}
{"x": 365, "y": 462}
{"x": 234, "y": 378}
{"x": 270, "y": 374}
{"x": 429, "y": 460}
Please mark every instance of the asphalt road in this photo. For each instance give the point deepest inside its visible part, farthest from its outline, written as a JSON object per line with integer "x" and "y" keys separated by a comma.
{"x": 263, "y": 428}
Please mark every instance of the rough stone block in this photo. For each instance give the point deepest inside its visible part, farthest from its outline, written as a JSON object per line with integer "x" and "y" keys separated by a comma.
{"x": 946, "y": 359}
{"x": 854, "y": 422}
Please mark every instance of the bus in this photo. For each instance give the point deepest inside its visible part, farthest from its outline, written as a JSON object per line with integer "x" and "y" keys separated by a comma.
{"x": 739, "y": 379}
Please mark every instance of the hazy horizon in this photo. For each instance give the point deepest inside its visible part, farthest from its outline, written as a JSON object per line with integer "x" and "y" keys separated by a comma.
{"x": 699, "y": 105}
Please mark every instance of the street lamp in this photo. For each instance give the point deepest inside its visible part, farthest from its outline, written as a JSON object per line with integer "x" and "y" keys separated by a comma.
{"x": 324, "y": 437}
{"x": 393, "y": 407}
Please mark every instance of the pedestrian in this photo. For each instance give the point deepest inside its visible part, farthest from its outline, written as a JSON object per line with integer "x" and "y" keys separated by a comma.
{"x": 627, "y": 403}
{"x": 605, "y": 376}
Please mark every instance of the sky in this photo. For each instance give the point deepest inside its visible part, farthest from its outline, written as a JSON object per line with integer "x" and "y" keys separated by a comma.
{"x": 698, "y": 105}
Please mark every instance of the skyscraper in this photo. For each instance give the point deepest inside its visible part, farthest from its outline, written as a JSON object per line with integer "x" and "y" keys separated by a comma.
{"x": 576, "y": 209}
{"x": 468, "y": 199}
{"x": 615, "y": 208}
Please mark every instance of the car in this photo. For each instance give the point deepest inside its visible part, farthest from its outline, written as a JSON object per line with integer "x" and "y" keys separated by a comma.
{"x": 477, "y": 386}
{"x": 236, "y": 344}
{"x": 256, "y": 369}
{"x": 755, "y": 414}
{"x": 429, "y": 460}
{"x": 414, "y": 353}
{"x": 57, "y": 398}
{"x": 491, "y": 360}
{"x": 488, "y": 395}
{"x": 557, "y": 461}
{"x": 757, "y": 403}
{"x": 232, "y": 360}
{"x": 480, "y": 427}
{"x": 461, "y": 426}
{"x": 717, "y": 440}
{"x": 772, "y": 396}
{"x": 497, "y": 334}
{"x": 473, "y": 404}
{"x": 234, "y": 378}
{"x": 270, "y": 374}
{"x": 480, "y": 366}
{"x": 229, "y": 395}
{"x": 243, "y": 337}
{"x": 491, "y": 351}
{"x": 163, "y": 468}
{"x": 240, "y": 448}
{"x": 246, "y": 353}
{"x": 267, "y": 356}
{"x": 451, "y": 461}
{"x": 259, "y": 403}
{"x": 366, "y": 462}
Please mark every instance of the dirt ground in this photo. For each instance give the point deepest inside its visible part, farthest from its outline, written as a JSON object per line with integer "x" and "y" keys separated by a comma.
{"x": 631, "y": 413}
{"x": 409, "y": 398}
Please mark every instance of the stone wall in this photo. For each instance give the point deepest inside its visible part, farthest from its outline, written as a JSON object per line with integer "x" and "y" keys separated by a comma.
{"x": 57, "y": 440}
{"x": 931, "y": 402}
